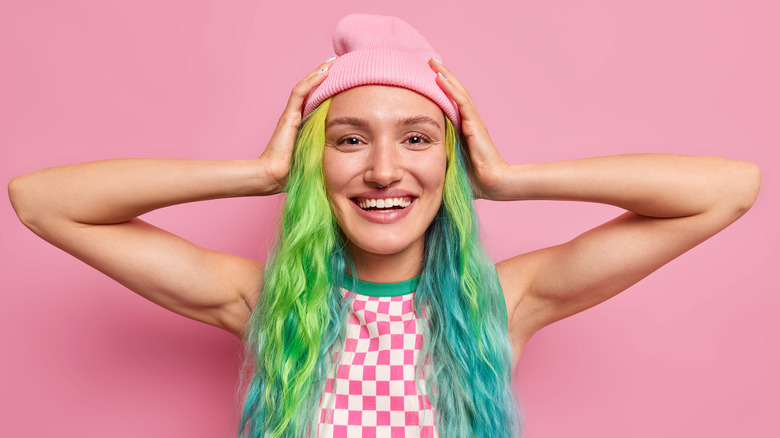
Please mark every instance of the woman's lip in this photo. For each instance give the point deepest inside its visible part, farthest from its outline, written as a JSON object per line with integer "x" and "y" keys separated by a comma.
{"x": 386, "y": 217}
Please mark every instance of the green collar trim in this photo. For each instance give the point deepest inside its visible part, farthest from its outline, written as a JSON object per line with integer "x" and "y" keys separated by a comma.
{"x": 381, "y": 289}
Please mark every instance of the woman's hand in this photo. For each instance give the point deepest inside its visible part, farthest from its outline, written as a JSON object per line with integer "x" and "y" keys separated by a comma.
{"x": 486, "y": 166}
{"x": 276, "y": 156}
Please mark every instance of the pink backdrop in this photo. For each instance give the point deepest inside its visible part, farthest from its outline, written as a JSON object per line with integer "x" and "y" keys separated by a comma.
{"x": 689, "y": 352}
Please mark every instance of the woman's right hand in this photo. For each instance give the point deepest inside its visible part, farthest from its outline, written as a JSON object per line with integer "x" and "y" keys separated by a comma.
{"x": 276, "y": 156}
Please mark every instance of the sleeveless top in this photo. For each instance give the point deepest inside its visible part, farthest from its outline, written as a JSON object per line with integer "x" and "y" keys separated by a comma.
{"x": 372, "y": 392}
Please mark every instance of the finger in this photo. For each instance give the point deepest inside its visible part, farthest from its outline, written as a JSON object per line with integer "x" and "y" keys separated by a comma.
{"x": 457, "y": 92}
{"x": 306, "y": 85}
{"x": 438, "y": 67}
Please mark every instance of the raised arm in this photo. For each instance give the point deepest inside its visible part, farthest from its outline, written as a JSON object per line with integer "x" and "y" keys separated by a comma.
{"x": 673, "y": 203}
{"x": 90, "y": 211}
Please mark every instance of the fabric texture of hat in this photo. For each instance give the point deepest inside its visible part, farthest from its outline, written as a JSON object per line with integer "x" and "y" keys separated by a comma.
{"x": 381, "y": 50}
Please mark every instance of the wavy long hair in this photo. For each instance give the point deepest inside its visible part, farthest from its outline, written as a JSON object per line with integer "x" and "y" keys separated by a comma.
{"x": 301, "y": 314}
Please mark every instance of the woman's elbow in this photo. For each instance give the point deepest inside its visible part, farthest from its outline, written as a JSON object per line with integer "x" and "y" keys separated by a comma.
{"x": 745, "y": 184}
{"x": 753, "y": 180}
{"x": 16, "y": 195}
{"x": 21, "y": 193}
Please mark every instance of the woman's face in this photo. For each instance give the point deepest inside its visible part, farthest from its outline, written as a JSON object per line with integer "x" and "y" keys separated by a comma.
{"x": 379, "y": 135}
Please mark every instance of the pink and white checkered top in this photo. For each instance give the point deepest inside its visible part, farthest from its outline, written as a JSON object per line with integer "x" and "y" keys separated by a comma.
{"x": 372, "y": 391}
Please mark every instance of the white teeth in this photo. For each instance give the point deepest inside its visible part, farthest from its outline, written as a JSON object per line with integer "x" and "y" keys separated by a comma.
{"x": 384, "y": 203}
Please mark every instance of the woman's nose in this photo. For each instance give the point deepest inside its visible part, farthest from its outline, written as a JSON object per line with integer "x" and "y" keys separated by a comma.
{"x": 384, "y": 167}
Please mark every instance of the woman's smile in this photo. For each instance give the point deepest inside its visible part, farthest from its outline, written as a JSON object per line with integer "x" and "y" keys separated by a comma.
{"x": 384, "y": 206}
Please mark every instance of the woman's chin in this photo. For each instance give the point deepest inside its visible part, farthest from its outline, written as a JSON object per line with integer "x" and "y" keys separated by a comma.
{"x": 384, "y": 246}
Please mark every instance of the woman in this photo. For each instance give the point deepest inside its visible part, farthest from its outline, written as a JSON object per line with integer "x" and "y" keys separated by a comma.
{"x": 318, "y": 352}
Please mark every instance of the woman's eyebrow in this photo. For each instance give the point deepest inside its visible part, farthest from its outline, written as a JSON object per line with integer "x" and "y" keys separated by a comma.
{"x": 417, "y": 120}
{"x": 351, "y": 121}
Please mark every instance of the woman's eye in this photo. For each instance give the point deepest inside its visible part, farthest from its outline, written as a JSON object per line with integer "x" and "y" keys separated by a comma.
{"x": 349, "y": 141}
{"x": 418, "y": 139}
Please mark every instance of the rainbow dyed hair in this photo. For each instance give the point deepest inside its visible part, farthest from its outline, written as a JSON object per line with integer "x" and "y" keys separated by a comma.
{"x": 301, "y": 314}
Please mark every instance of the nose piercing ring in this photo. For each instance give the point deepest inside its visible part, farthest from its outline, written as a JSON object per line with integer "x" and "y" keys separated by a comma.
{"x": 383, "y": 187}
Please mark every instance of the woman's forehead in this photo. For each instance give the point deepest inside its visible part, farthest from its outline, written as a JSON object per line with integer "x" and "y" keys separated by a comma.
{"x": 380, "y": 103}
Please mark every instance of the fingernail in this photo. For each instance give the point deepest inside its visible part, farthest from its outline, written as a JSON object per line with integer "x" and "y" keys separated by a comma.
{"x": 436, "y": 59}
{"x": 444, "y": 77}
{"x": 322, "y": 70}
{"x": 331, "y": 58}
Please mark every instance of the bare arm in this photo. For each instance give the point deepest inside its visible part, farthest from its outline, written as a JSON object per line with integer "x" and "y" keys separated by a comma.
{"x": 673, "y": 203}
{"x": 90, "y": 211}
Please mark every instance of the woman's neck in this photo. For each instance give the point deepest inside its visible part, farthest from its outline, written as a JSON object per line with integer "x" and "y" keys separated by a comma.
{"x": 387, "y": 268}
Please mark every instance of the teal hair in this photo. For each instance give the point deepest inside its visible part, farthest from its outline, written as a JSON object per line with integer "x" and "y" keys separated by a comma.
{"x": 301, "y": 315}
{"x": 465, "y": 335}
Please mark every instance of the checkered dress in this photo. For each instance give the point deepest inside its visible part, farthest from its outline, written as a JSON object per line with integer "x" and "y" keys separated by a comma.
{"x": 372, "y": 390}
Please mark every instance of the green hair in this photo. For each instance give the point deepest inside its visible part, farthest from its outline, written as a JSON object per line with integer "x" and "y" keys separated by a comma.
{"x": 301, "y": 315}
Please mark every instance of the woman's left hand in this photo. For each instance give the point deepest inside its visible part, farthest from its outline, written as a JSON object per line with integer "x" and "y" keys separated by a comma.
{"x": 486, "y": 165}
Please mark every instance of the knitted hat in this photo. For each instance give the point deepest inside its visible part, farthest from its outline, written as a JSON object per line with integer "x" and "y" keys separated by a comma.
{"x": 379, "y": 50}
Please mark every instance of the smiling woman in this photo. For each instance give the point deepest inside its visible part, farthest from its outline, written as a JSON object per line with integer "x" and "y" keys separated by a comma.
{"x": 378, "y": 312}
{"x": 380, "y": 146}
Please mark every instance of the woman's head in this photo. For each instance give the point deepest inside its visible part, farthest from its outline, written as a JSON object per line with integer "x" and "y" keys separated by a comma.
{"x": 385, "y": 126}
{"x": 390, "y": 137}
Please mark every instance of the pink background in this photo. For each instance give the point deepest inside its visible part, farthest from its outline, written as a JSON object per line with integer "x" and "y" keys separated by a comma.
{"x": 689, "y": 352}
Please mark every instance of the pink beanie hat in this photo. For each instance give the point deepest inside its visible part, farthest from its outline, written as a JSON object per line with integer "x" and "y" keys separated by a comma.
{"x": 379, "y": 50}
